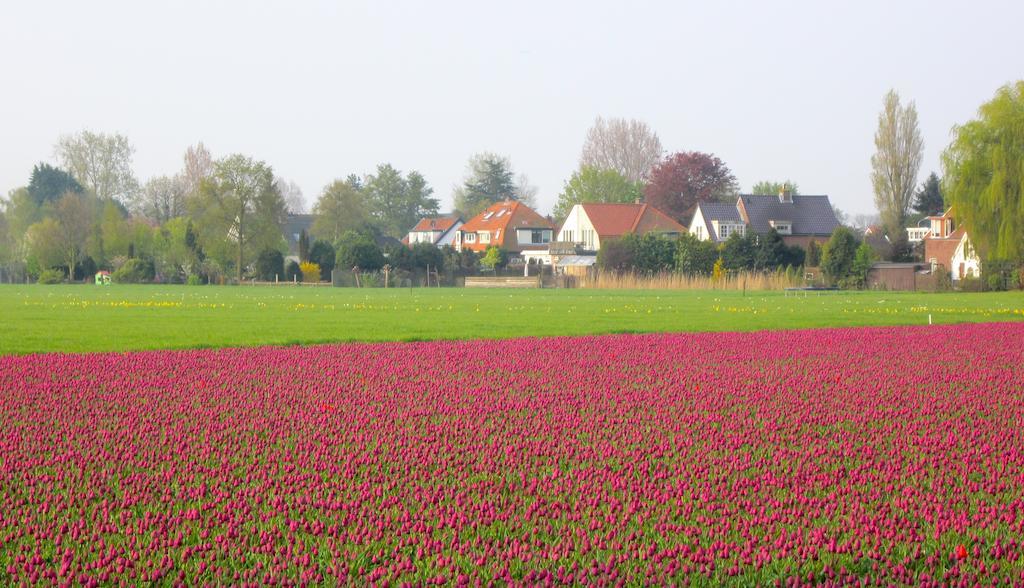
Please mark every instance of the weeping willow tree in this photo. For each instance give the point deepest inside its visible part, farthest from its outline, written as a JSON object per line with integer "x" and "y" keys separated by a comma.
{"x": 984, "y": 167}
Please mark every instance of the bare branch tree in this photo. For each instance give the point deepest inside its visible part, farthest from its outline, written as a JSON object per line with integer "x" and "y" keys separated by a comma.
{"x": 162, "y": 199}
{"x": 198, "y": 166}
{"x": 102, "y": 163}
{"x": 526, "y": 191}
{"x": 294, "y": 202}
{"x": 629, "y": 147}
{"x": 896, "y": 162}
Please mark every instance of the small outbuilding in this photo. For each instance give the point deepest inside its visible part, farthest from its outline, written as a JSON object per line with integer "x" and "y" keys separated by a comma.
{"x": 900, "y": 276}
{"x": 102, "y": 278}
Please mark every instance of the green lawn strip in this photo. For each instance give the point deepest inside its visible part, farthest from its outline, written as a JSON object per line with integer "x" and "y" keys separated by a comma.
{"x": 81, "y": 318}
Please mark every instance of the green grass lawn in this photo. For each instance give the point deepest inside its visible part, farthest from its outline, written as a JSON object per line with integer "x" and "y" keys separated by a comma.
{"x": 120, "y": 318}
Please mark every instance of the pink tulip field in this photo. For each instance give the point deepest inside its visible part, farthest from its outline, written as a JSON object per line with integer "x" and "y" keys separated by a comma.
{"x": 838, "y": 456}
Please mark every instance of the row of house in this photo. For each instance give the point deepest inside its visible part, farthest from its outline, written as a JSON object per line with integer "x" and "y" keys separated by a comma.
{"x": 530, "y": 238}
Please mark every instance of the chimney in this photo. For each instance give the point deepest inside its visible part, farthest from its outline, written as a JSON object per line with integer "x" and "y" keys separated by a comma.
{"x": 636, "y": 201}
{"x": 785, "y": 194}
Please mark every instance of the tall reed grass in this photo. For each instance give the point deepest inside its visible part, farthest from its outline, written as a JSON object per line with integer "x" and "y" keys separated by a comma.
{"x": 677, "y": 281}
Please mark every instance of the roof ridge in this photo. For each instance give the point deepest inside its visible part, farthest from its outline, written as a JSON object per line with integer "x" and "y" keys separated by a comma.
{"x": 639, "y": 215}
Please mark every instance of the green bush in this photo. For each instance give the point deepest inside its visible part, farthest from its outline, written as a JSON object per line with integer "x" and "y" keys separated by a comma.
{"x": 269, "y": 265}
{"x": 51, "y": 276}
{"x": 971, "y": 284}
{"x": 322, "y": 253}
{"x": 695, "y": 257}
{"x": 194, "y": 280}
{"x": 838, "y": 254}
{"x": 134, "y": 271}
{"x": 292, "y": 272}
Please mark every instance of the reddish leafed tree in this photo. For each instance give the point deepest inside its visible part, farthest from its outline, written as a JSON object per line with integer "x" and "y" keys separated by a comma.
{"x": 683, "y": 179}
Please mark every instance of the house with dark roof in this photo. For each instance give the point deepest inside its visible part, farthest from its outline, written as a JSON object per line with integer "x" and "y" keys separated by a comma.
{"x": 509, "y": 225}
{"x": 588, "y": 225}
{"x": 798, "y": 218}
{"x": 439, "y": 231}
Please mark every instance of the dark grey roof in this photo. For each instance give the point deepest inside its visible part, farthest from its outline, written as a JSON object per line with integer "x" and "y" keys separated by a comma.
{"x": 810, "y": 215}
{"x": 296, "y": 222}
{"x": 387, "y": 241}
{"x": 719, "y": 211}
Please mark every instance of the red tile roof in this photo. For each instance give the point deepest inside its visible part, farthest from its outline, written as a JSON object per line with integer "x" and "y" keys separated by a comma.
{"x": 440, "y": 223}
{"x": 501, "y": 220}
{"x": 614, "y": 220}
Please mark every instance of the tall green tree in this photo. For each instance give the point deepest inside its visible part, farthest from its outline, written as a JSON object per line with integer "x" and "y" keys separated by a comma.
{"x": 396, "y": 202}
{"x": 21, "y": 211}
{"x": 984, "y": 175}
{"x": 75, "y": 213}
{"x": 591, "y": 184}
{"x": 341, "y": 207}
{"x": 899, "y": 149}
{"x": 239, "y": 210}
{"x": 863, "y": 259}
{"x": 48, "y": 184}
{"x": 838, "y": 254}
{"x": 489, "y": 179}
{"x": 769, "y": 188}
{"x": 928, "y": 199}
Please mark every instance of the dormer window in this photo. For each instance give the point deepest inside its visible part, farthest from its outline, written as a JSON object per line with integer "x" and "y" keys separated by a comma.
{"x": 782, "y": 227}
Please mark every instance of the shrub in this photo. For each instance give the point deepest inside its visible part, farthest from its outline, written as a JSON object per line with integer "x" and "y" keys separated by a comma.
{"x": 51, "y": 276}
{"x": 493, "y": 258}
{"x": 269, "y": 265}
{"x": 358, "y": 250}
{"x": 194, "y": 280}
{"x": 134, "y": 271}
{"x": 614, "y": 255}
{"x": 310, "y": 272}
{"x": 813, "y": 255}
{"x": 862, "y": 262}
{"x": 322, "y": 253}
{"x": 292, "y": 271}
{"x": 971, "y": 284}
{"x": 695, "y": 257}
{"x": 838, "y": 254}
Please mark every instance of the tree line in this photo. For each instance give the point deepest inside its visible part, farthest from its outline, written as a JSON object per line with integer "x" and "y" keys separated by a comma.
{"x": 215, "y": 217}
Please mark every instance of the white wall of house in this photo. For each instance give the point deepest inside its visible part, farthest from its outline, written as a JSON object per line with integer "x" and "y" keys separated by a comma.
{"x": 577, "y": 228}
{"x": 965, "y": 260}
{"x": 698, "y": 228}
{"x": 449, "y": 237}
{"x": 424, "y": 237}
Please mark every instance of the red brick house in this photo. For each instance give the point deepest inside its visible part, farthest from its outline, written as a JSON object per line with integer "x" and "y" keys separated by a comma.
{"x": 946, "y": 245}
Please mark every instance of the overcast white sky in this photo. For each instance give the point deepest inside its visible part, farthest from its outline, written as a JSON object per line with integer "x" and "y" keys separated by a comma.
{"x": 320, "y": 90}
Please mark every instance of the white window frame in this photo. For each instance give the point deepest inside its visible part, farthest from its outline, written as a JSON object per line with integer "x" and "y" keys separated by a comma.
{"x": 485, "y": 236}
{"x": 470, "y": 237}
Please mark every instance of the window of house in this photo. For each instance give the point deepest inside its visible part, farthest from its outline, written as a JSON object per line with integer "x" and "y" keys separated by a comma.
{"x": 782, "y": 228}
{"x": 485, "y": 236}
{"x": 723, "y": 231}
{"x": 470, "y": 237}
{"x": 699, "y": 232}
{"x": 538, "y": 236}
